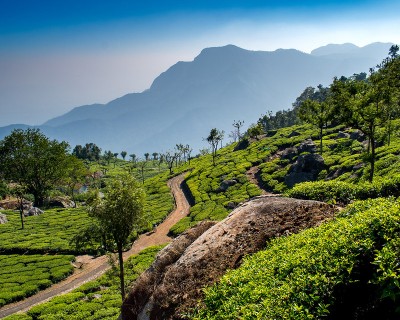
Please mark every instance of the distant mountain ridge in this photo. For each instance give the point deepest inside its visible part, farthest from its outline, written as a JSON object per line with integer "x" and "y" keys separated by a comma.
{"x": 220, "y": 85}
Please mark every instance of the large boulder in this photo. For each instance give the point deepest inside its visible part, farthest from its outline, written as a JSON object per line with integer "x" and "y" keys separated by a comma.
{"x": 306, "y": 168}
{"x": 173, "y": 284}
{"x": 226, "y": 184}
{"x": 289, "y": 153}
{"x": 60, "y": 202}
{"x": 33, "y": 212}
{"x": 307, "y": 146}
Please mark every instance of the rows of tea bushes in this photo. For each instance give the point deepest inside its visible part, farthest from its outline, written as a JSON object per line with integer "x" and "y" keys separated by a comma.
{"x": 232, "y": 162}
{"x": 346, "y": 268}
{"x": 51, "y": 231}
{"x": 341, "y": 192}
{"x": 24, "y": 275}
{"x": 96, "y": 300}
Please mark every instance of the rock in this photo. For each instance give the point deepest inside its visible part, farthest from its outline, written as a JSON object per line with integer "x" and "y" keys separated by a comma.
{"x": 242, "y": 144}
{"x": 225, "y": 185}
{"x": 33, "y": 212}
{"x": 97, "y": 296}
{"x": 294, "y": 134}
{"x": 289, "y": 153}
{"x": 306, "y": 168}
{"x": 230, "y": 205}
{"x": 13, "y": 204}
{"x": 3, "y": 218}
{"x": 357, "y": 135}
{"x": 307, "y": 146}
{"x": 60, "y": 202}
{"x": 173, "y": 284}
{"x": 342, "y": 135}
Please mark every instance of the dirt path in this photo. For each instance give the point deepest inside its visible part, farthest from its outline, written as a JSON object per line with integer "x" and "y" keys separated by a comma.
{"x": 90, "y": 268}
{"x": 253, "y": 174}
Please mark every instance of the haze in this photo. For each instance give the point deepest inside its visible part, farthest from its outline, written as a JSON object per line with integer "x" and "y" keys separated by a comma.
{"x": 58, "y": 55}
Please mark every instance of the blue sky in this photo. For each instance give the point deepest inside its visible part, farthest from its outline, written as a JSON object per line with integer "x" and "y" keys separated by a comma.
{"x": 55, "y": 55}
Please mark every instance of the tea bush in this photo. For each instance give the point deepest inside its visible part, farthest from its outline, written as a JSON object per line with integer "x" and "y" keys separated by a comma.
{"x": 343, "y": 268}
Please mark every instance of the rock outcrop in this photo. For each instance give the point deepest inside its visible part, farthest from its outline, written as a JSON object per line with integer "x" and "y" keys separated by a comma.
{"x": 174, "y": 282}
{"x": 306, "y": 168}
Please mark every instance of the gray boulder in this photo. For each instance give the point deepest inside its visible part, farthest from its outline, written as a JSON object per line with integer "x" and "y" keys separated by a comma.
{"x": 306, "y": 168}
{"x": 226, "y": 184}
{"x": 33, "y": 212}
{"x": 289, "y": 153}
{"x": 357, "y": 135}
{"x": 307, "y": 146}
{"x": 342, "y": 135}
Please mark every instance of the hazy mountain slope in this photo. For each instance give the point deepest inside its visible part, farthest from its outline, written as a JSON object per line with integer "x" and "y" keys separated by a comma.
{"x": 220, "y": 85}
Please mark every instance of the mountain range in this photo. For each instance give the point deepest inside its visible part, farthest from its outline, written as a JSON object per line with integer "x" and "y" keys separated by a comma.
{"x": 220, "y": 85}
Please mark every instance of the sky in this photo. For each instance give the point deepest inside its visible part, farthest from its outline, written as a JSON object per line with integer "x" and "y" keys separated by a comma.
{"x": 59, "y": 54}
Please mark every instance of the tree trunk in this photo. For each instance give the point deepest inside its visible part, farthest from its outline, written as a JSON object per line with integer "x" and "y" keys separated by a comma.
{"x": 320, "y": 140}
{"x": 21, "y": 212}
{"x": 372, "y": 144}
{"x": 121, "y": 271}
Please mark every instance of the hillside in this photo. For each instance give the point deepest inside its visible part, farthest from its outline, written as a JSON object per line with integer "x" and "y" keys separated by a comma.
{"x": 219, "y": 86}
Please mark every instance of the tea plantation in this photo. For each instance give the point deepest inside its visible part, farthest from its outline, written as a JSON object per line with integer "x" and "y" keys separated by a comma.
{"x": 39, "y": 255}
{"x": 96, "y": 300}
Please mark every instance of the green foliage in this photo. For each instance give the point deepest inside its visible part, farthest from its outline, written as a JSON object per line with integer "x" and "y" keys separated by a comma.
{"x": 96, "y": 300}
{"x": 345, "y": 267}
{"x": 345, "y": 192}
{"x": 32, "y": 160}
{"x": 50, "y": 232}
{"x": 24, "y": 275}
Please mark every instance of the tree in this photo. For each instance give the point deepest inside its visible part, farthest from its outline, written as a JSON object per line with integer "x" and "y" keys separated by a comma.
{"x": 361, "y": 104}
{"x": 170, "y": 157}
{"x": 123, "y": 154}
{"x": 119, "y": 213}
{"x": 155, "y": 156}
{"x": 35, "y": 162}
{"x": 89, "y": 152}
{"x": 142, "y": 165}
{"x": 108, "y": 156}
{"x": 213, "y": 139}
{"x": 237, "y": 125}
{"x": 254, "y": 131}
{"x": 133, "y": 157}
{"x": 146, "y": 156}
{"x": 317, "y": 113}
{"x": 76, "y": 173}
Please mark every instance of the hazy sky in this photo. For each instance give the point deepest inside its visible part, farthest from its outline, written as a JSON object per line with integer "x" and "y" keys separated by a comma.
{"x": 59, "y": 54}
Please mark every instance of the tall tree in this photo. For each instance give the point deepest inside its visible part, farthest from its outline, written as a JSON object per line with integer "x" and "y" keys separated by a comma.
{"x": 119, "y": 213}
{"x": 146, "y": 156}
{"x": 318, "y": 114}
{"x": 237, "y": 125}
{"x": 123, "y": 154}
{"x": 361, "y": 104}
{"x": 32, "y": 160}
{"x": 213, "y": 139}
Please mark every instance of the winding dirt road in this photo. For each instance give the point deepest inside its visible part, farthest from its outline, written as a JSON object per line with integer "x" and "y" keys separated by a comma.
{"x": 90, "y": 268}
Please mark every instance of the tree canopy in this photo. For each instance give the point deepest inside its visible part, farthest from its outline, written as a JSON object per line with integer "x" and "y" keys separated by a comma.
{"x": 119, "y": 213}
{"x": 32, "y": 160}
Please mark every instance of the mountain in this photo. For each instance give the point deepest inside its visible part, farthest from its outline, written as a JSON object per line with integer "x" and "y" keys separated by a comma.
{"x": 220, "y": 85}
